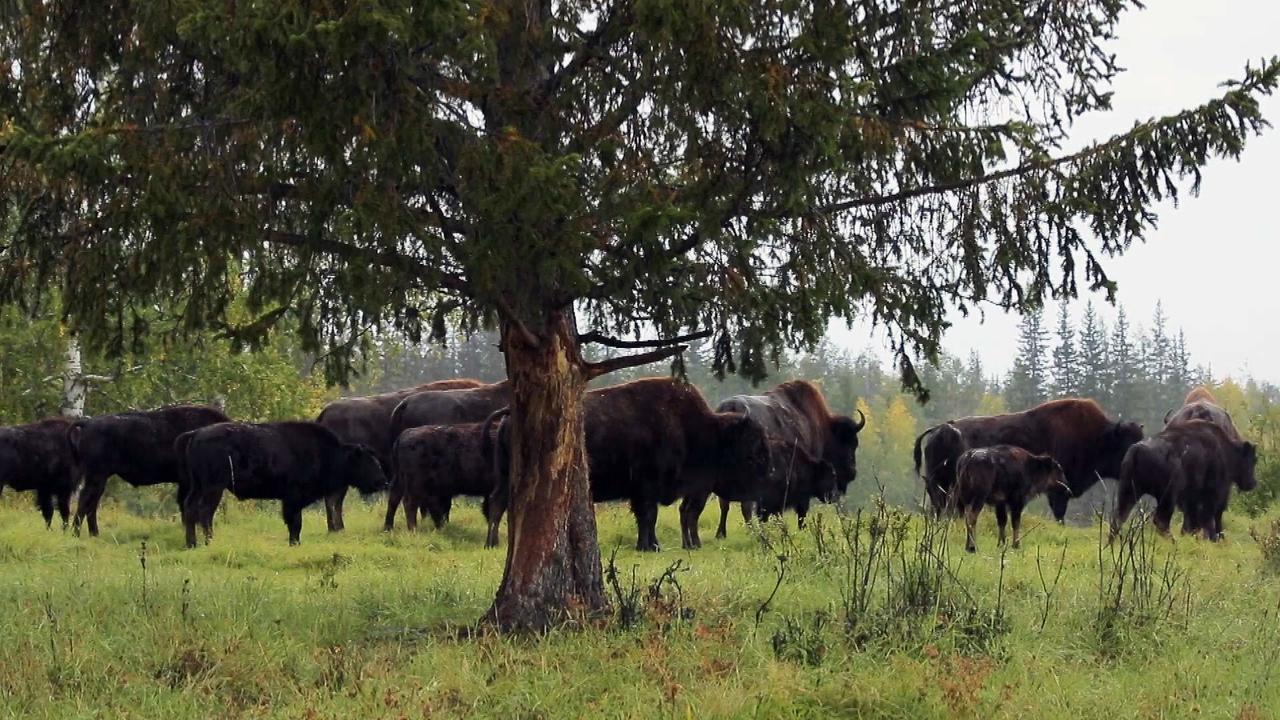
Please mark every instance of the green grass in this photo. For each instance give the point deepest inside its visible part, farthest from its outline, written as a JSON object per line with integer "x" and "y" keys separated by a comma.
{"x": 364, "y": 624}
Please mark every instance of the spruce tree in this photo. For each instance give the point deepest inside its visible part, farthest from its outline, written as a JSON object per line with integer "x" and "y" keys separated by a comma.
{"x": 576, "y": 173}
{"x": 1066, "y": 358}
{"x": 1028, "y": 384}
{"x": 1126, "y": 371}
{"x": 1095, "y": 371}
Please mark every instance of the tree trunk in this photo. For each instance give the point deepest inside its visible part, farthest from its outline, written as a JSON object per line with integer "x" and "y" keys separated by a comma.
{"x": 553, "y": 573}
{"x": 74, "y": 386}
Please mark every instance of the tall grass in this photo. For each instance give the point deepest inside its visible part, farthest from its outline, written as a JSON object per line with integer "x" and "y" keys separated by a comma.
{"x": 870, "y": 615}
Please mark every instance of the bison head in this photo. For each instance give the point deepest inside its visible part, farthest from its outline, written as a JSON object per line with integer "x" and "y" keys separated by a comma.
{"x": 363, "y": 471}
{"x": 842, "y": 454}
{"x": 1116, "y": 441}
{"x": 1245, "y": 480}
{"x": 1045, "y": 474}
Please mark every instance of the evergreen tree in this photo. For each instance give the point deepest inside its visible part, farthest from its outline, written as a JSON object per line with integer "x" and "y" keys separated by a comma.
{"x": 1183, "y": 377}
{"x": 1028, "y": 384}
{"x": 1095, "y": 372}
{"x": 742, "y": 169}
{"x": 1066, "y": 358}
{"x": 1126, "y": 371}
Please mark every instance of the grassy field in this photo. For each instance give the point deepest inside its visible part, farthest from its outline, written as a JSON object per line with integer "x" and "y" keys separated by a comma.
{"x": 364, "y": 624}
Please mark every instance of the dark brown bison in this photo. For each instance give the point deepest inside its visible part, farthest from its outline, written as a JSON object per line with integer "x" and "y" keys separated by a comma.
{"x": 297, "y": 463}
{"x": 1189, "y": 466}
{"x": 649, "y": 439}
{"x": 1077, "y": 433}
{"x": 136, "y": 446}
{"x": 36, "y": 457}
{"x": 654, "y": 441}
{"x": 1005, "y": 477}
{"x": 367, "y": 421}
{"x": 796, "y": 412}
{"x": 443, "y": 407}
{"x": 794, "y": 480}
{"x": 433, "y": 464}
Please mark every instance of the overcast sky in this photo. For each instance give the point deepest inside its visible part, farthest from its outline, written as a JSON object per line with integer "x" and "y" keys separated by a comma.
{"x": 1212, "y": 260}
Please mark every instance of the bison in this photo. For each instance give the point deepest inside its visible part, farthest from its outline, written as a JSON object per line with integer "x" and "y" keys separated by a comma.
{"x": 1005, "y": 477}
{"x": 653, "y": 441}
{"x": 367, "y": 421}
{"x": 443, "y": 407}
{"x": 137, "y": 446}
{"x": 433, "y": 464}
{"x": 1075, "y": 432}
{"x": 297, "y": 463}
{"x": 794, "y": 479}
{"x": 36, "y": 457}
{"x": 796, "y": 412}
{"x": 1189, "y": 466}
{"x": 1200, "y": 404}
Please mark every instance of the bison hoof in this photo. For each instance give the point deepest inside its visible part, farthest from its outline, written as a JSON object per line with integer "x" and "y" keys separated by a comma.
{"x": 646, "y": 548}
{"x": 971, "y": 548}
{"x": 720, "y": 534}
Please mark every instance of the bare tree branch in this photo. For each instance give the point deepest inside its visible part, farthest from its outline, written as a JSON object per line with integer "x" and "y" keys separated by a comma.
{"x": 604, "y": 367}
{"x": 599, "y": 339}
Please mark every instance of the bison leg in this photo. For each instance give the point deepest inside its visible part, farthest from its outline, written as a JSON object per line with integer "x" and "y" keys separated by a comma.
{"x": 1217, "y": 525}
{"x": 437, "y": 507}
{"x": 190, "y": 513}
{"x": 209, "y": 503}
{"x": 1002, "y": 517}
{"x": 937, "y": 499}
{"x": 970, "y": 526}
{"x": 1163, "y": 515}
{"x": 45, "y": 501}
{"x": 802, "y": 511}
{"x": 394, "y": 496}
{"x": 646, "y": 513}
{"x": 721, "y": 530}
{"x": 64, "y": 507}
{"x": 495, "y": 506}
{"x": 90, "y": 496}
{"x": 293, "y": 520}
{"x": 333, "y": 509}
{"x": 410, "y": 512}
{"x": 690, "y": 512}
{"x": 1015, "y": 515}
{"x": 1126, "y": 498}
{"x": 748, "y": 511}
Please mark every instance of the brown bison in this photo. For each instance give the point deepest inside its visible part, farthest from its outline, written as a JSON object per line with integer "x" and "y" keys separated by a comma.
{"x": 794, "y": 479}
{"x": 653, "y": 441}
{"x": 795, "y": 412}
{"x": 442, "y": 407}
{"x": 1189, "y": 466}
{"x": 367, "y": 421}
{"x": 297, "y": 463}
{"x": 36, "y": 457}
{"x": 1077, "y": 433}
{"x": 433, "y": 464}
{"x": 1005, "y": 477}
{"x": 1200, "y": 404}
{"x": 137, "y": 446}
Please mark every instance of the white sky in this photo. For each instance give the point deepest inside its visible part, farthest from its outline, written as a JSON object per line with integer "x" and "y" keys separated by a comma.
{"x": 1212, "y": 260}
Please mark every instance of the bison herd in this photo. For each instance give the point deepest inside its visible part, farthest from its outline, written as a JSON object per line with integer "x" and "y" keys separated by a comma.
{"x": 649, "y": 442}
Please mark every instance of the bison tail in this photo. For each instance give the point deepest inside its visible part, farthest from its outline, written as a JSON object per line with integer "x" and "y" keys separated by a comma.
{"x": 487, "y": 441}
{"x": 915, "y": 450}
{"x": 73, "y": 438}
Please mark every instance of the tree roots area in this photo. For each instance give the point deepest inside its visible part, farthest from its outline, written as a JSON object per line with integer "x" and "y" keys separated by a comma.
{"x": 875, "y": 612}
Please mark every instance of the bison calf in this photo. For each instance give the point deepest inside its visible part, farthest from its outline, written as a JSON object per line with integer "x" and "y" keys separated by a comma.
{"x": 1005, "y": 477}
{"x": 297, "y": 463}
{"x": 36, "y": 457}
{"x": 1190, "y": 466}
{"x": 434, "y": 464}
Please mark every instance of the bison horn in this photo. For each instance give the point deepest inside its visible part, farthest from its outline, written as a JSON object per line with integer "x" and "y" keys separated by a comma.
{"x": 1166, "y": 417}
{"x": 862, "y": 421}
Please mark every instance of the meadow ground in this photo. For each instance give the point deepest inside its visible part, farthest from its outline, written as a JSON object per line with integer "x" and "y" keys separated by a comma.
{"x": 878, "y": 615}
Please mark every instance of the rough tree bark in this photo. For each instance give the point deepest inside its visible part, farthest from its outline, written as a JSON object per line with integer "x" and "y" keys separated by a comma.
{"x": 553, "y": 573}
